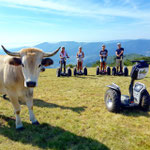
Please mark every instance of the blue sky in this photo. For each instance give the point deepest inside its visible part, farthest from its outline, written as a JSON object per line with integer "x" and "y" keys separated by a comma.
{"x": 28, "y": 22}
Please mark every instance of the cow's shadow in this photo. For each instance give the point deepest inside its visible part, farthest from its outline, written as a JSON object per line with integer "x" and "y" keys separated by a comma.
{"x": 42, "y": 103}
{"x": 46, "y": 136}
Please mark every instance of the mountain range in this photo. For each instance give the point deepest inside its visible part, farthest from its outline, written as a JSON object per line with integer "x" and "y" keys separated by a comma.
{"x": 91, "y": 49}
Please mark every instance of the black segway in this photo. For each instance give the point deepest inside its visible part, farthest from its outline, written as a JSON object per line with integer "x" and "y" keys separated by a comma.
{"x": 68, "y": 72}
{"x": 139, "y": 96}
{"x": 81, "y": 72}
{"x": 123, "y": 72}
{"x": 102, "y": 72}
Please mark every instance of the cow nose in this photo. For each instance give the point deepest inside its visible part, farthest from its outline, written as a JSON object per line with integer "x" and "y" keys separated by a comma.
{"x": 31, "y": 84}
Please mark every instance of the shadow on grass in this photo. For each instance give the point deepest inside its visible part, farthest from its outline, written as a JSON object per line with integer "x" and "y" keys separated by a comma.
{"x": 46, "y": 136}
{"x": 89, "y": 77}
{"x": 134, "y": 111}
{"x": 41, "y": 103}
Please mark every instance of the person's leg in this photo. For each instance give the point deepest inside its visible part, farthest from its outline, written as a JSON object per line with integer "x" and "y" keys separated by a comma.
{"x": 117, "y": 64}
{"x": 101, "y": 62}
{"x": 61, "y": 66}
{"x": 121, "y": 66}
{"x": 81, "y": 65}
{"x": 78, "y": 66}
{"x": 64, "y": 66}
{"x": 105, "y": 63}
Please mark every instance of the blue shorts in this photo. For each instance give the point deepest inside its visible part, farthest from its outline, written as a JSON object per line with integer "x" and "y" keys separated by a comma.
{"x": 103, "y": 59}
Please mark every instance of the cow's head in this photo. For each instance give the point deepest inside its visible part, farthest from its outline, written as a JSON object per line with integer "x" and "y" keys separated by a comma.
{"x": 32, "y": 60}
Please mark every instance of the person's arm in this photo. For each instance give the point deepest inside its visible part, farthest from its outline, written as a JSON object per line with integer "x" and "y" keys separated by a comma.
{"x": 107, "y": 54}
{"x": 100, "y": 54}
{"x": 117, "y": 54}
{"x": 77, "y": 55}
{"x": 121, "y": 53}
{"x": 67, "y": 55}
{"x": 60, "y": 56}
{"x": 82, "y": 54}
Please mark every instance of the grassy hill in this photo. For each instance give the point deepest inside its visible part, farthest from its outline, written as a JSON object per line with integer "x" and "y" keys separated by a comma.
{"x": 72, "y": 116}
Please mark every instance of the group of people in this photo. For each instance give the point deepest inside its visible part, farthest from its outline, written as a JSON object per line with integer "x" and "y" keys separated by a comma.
{"x": 103, "y": 58}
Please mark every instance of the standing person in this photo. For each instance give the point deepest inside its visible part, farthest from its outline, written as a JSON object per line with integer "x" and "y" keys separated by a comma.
{"x": 80, "y": 56}
{"x": 119, "y": 57}
{"x": 103, "y": 58}
{"x": 63, "y": 56}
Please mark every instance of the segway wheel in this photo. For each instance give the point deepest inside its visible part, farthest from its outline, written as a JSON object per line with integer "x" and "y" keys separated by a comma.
{"x": 74, "y": 71}
{"x": 85, "y": 71}
{"x": 145, "y": 101}
{"x": 97, "y": 70}
{"x": 114, "y": 71}
{"x": 126, "y": 72}
{"x": 58, "y": 72}
{"x": 108, "y": 71}
{"x": 112, "y": 101}
{"x": 69, "y": 72}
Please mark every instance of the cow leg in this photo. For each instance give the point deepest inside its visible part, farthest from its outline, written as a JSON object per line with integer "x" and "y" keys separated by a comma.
{"x": 17, "y": 109}
{"x": 29, "y": 103}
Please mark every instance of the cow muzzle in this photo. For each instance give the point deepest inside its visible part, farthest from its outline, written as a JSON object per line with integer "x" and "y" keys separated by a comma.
{"x": 31, "y": 84}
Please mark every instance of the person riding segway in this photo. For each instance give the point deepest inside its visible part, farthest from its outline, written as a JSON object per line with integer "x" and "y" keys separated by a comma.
{"x": 78, "y": 70}
{"x": 119, "y": 70}
{"x": 63, "y": 56}
{"x": 103, "y": 58}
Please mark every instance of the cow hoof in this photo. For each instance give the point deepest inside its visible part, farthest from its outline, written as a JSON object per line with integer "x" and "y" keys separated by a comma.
{"x": 35, "y": 123}
{"x": 20, "y": 128}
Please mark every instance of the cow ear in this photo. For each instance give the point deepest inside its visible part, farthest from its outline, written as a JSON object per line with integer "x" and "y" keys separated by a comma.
{"x": 47, "y": 62}
{"x": 15, "y": 61}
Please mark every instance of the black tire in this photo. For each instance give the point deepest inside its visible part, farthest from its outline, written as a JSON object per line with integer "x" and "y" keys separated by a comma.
{"x": 97, "y": 70}
{"x": 58, "y": 72}
{"x": 126, "y": 71}
{"x": 114, "y": 71}
{"x": 74, "y": 71}
{"x": 108, "y": 71}
{"x": 145, "y": 101}
{"x": 69, "y": 72}
{"x": 112, "y": 101}
{"x": 85, "y": 71}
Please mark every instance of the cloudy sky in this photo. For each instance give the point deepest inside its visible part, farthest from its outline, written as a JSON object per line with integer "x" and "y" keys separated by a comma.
{"x": 28, "y": 22}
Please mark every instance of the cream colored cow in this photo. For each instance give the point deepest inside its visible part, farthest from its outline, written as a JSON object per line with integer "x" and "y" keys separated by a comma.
{"x": 19, "y": 72}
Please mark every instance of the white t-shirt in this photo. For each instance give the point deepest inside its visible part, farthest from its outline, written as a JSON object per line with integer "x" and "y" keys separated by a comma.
{"x": 80, "y": 56}
{"x": 63, "y": 55}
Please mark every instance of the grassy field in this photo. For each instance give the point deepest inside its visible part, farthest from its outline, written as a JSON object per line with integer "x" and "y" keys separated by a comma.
{"x": 72, "y": 116}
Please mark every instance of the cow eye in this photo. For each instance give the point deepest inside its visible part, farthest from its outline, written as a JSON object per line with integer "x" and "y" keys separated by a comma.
{"x": 22, "y": 65}
{"x": 40, "y": 65}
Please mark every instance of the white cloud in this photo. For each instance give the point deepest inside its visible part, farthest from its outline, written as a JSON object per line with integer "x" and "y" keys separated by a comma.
{"x": 79, "y": 8}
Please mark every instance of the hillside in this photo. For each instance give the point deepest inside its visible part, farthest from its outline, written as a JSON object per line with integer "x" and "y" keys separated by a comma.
{"x": 72, "y": 116}
{"x": 92, "y": 49}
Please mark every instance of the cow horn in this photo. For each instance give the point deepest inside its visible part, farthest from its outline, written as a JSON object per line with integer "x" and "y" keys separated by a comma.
{"x": 52, "y": 53}
{"x": 10, "y": 53}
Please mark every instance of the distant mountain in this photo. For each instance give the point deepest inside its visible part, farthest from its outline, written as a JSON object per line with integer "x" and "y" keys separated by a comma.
{"x": 91, "y": 49}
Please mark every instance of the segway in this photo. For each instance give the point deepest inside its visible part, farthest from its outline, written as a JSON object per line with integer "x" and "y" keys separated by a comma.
{"x": 123, "y": 72}
{"x": 81, "y": 72}
{"x": 103, "y": 72}
{"x": 139, "y": 96}
{"x": 68, "y": 72}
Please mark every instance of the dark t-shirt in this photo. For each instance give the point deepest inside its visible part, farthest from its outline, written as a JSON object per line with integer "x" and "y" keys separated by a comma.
{"x": 103, "y": 53}
{"x": 119, "y": 51}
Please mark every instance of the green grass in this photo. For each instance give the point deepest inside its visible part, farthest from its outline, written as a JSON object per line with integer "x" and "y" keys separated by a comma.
{"x": 72, "y": 116}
